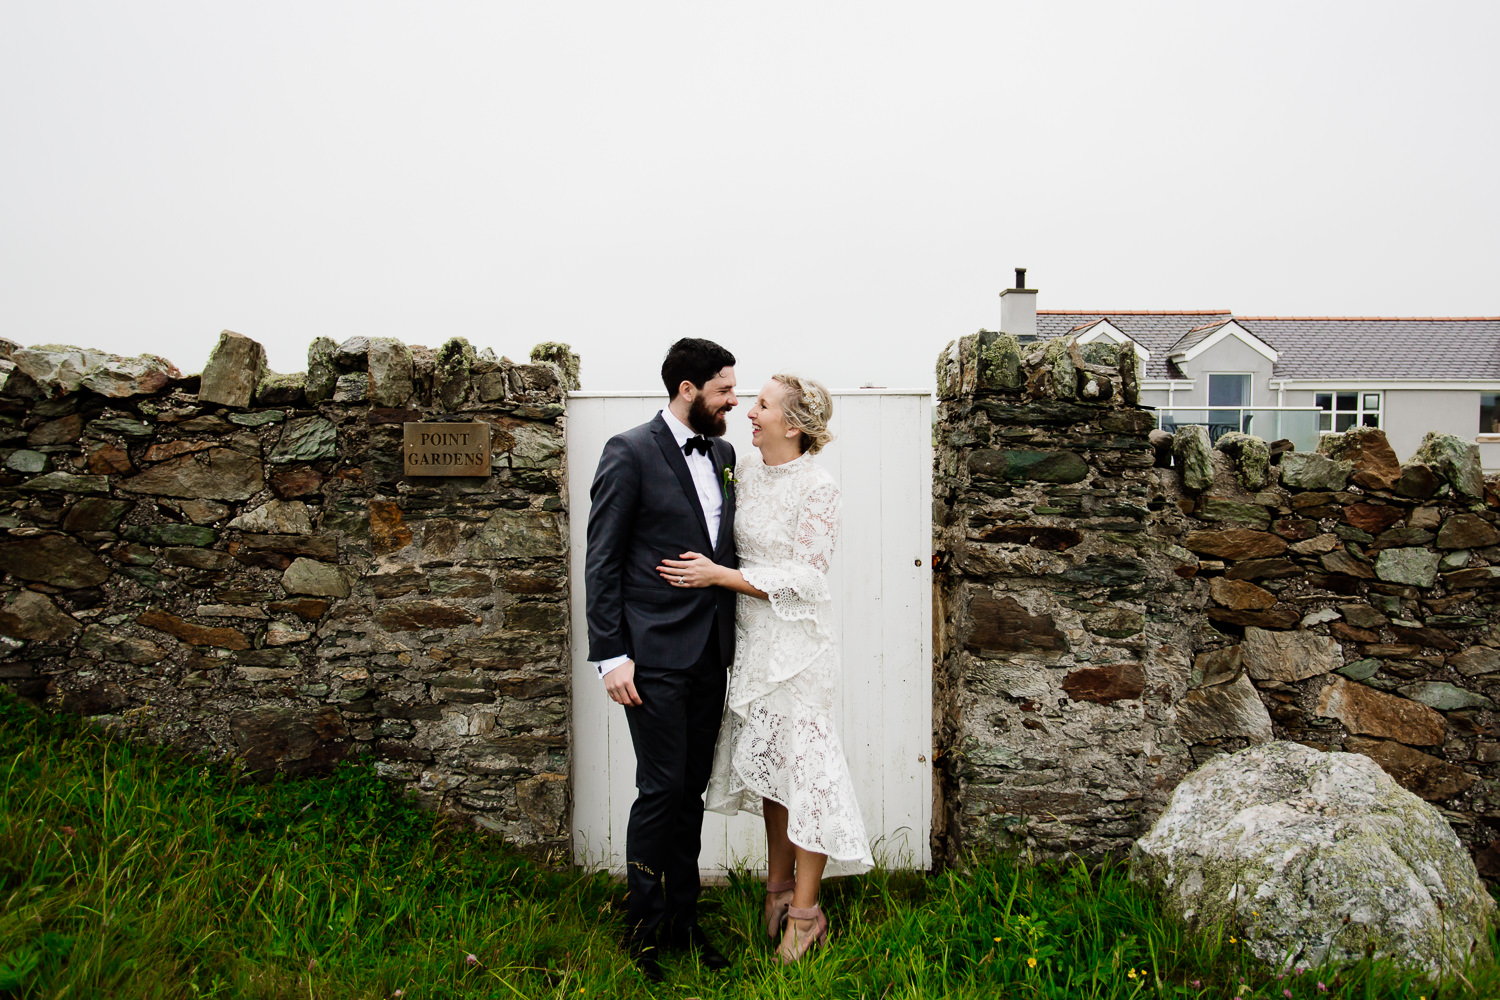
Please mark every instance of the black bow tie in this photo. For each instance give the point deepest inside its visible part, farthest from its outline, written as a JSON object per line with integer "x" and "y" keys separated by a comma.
{"x": 695, "y": 443}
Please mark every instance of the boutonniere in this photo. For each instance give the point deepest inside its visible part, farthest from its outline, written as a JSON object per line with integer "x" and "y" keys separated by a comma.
{"x": 727, "y": 482}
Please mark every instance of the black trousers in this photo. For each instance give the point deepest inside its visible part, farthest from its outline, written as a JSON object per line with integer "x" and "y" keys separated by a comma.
{"x": 673, "y": 731}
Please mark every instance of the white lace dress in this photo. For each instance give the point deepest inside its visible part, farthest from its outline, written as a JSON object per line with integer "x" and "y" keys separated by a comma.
{"x": 777, "y": 740}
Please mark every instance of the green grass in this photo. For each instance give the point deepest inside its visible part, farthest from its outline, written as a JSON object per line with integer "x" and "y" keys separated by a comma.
{"x": 126, "y": 871}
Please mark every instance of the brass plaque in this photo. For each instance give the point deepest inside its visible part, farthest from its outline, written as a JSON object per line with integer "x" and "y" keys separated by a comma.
{"x": 445, "y": 449}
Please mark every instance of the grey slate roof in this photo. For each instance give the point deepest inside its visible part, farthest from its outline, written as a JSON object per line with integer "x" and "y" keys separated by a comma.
{"x": 1313, "y": 347}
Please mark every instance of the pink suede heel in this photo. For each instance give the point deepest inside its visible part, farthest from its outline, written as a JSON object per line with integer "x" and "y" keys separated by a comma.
{"x": 778, "y": 900}
{"x": 796, "y": 941}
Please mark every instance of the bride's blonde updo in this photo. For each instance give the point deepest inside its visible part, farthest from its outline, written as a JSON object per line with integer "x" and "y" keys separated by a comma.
{"x": 808, "y": 407}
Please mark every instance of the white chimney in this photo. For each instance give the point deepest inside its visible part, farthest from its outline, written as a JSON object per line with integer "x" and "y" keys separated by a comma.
{"x": 1018, "y": 309}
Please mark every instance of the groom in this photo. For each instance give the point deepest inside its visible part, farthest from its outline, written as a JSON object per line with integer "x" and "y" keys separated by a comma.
{"x": 662, "y": 489}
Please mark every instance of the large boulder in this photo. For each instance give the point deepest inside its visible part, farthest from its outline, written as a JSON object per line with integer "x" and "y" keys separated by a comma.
{"x": 59, "y": 369}
{"x": 1312, "y": 857}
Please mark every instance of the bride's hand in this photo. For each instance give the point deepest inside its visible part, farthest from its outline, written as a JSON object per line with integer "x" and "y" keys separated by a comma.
{"x": 691, "y": 570}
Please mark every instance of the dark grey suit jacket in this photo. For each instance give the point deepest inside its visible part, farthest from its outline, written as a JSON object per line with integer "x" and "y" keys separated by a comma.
{"x": 645, "y": 509}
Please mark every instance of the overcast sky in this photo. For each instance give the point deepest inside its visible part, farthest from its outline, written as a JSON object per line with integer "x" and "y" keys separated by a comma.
{"x": 838, "y": 188}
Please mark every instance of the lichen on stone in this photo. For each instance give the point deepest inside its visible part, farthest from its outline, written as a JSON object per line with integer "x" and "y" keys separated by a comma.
{"x": 563, "y": 357}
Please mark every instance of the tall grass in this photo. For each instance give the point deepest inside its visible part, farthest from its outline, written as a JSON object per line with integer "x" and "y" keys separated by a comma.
{"x": 128, "y": 872}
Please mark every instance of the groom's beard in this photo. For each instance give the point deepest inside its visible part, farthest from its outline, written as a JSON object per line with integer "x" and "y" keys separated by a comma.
{"x": 706, "y": 421}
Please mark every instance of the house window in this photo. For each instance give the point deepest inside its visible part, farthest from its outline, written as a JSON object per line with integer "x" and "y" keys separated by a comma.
{"x": 1489, "y": 413}
{"x": 1229, "y": 390}
{"x": 1345, "y": 409}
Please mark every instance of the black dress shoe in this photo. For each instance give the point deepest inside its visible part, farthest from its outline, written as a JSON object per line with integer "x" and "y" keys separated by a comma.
{"x": 711, "y": 957}
{"x": 644, "y": 957}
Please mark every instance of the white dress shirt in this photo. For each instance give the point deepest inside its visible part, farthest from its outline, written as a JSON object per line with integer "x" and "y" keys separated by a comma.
{"x": 704, "y": 479}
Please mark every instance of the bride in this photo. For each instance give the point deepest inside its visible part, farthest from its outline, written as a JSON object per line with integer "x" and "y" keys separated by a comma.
{"x": 778, "y": 755}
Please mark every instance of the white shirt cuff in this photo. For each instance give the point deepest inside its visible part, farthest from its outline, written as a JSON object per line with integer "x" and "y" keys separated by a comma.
{"x": 605, "y": 666}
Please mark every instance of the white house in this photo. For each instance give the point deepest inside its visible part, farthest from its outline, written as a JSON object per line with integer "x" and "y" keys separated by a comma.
{"x": 1297, "y": 376}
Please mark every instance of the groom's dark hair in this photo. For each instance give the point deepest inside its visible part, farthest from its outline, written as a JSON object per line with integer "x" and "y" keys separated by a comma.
{"x": 693, "y": 360}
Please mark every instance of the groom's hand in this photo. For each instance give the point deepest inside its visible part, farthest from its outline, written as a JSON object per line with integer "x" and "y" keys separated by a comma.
{"x": 619, "y": 684}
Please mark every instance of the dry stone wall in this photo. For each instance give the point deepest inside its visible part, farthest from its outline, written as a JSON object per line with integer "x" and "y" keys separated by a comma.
{"x": 1117, "y": 606}
{"x": 235, "y": 564}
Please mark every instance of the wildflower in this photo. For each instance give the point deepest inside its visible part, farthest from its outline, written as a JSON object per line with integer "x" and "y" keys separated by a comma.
{"x": 1231, "y": 940}
{"x": 1287, "y": 994}
{"x": 1031, "y": 963}
{"x": 1130, "y": 973}
{"x": 1196, "y": 983}
{"x": 997, "y": 940}
{"x": 1322, "y": 986}
{"x": 399, "y": 992}
{"x": 471, "y": 958}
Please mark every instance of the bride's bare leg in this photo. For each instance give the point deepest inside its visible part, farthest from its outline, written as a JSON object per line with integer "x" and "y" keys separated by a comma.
{"x": 780, "y": 855}
{"x": 809, "y": 877}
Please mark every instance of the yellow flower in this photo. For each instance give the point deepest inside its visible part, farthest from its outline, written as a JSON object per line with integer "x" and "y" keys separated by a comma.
{"x": 1231, "y": 940}
{"x": 1130, "y": 973}
{"x": 1031, "y": 963}
{"x": 997, "y": 940}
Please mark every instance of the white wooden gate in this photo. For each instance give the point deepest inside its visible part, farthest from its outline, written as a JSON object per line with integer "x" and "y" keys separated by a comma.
{"x": 881, "y": 580}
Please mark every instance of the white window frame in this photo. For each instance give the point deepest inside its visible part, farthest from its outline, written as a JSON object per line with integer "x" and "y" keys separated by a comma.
{"x": 1359, "y": 411}
{"x": 1208, "y": 381}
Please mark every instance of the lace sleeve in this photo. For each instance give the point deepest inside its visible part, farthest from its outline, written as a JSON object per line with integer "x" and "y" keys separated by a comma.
{"x": 797, "y": 587}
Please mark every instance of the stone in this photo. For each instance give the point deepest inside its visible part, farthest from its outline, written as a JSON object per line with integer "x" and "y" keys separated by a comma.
{"x": 1373, "y": 518}
{"x": 1045, "y": 537}
{"x": 305, "y": 439}
{"x": 170, "y": 534}
{"x": 301, "y": 482}
{"x": 1001, "y": 626}
{"x": 1235, "y": 543}
{"x": 63, "y": 369}
{"x": 307, "y": 608}
{"x": 1023, "y": 465}
{"x": 109, "y": 460}
{"x": 1475, "y": 576}
{"x": 1368, "y": 712}
{"x": 520, "y": 534}
{"x": 1193, "y": 457}
{"x": 1413, "y": 566}
{"x": 1417, "y": 482}
{"x": 278, "y": 634}
{"x": 66, "y": 482}
{"x": 1106, "y": 684}
{"x": 193, "y": 635}
{"x": 95, "y": 514}
{"x": 1363, "y": 616}
{"x": 1115, "y": 623}
{"x": 1445, "y": 697}
{"x": 1340, "y": 561}
{"x": 1417, "y": 772}
{"x": 390, "y": 368}
{"x": 233, "y": 371}
{"x": 454, "y": 364}
{"x": 63, "y": 430}
{"x": 1455, "y": 459}
{"x": 296, "y": 740}
{"x": 540, "y": 446}
{"x": 1263, "y": 569}
{"x": 543, "y": 799}
{"x": 276, "y": 517}
{"x": 30, "y": 616}
{"x": 1397, "y": 538}
{"x": 163, "y": 450}
{"x": 1454, "y": 560}
{"x": 1288, "y": 656}
{"x": 1360, "y": 670}
{"x": 1467, "y": 531}
{"x": 1218, "y": 509}
{"x": 1301, "y": 470}
{"x": 54, "y": 559}
{"x": 281, "y": 390}
{"x": 1313, "y": 858}
{"x": 413, "y": 616}
{"x": 1239, "y": 594}
{"x": 388, "y": 530}
{"x": 322, "y": 372}
{"x": 1349, "y": 633}
{"x": 111, "y": 645}
{"x": 1251, "y": 456}
{"x": 26, "y": 461}
{"x": 1476, "y": 661}
{"x": 212, "y": 474}
{"x": 1280, "y": 616}
{"x": 311, "y": 576}
{"x": 1224, "y": 710}
{"x": 203, "y": 511}
{"x": 1316, "y": 545}
{"x": 1217, "y": 666}
{"x": 1322, "y": 616}
{"x": 1375, "y": 464}
{"x": 351, "y": 387}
